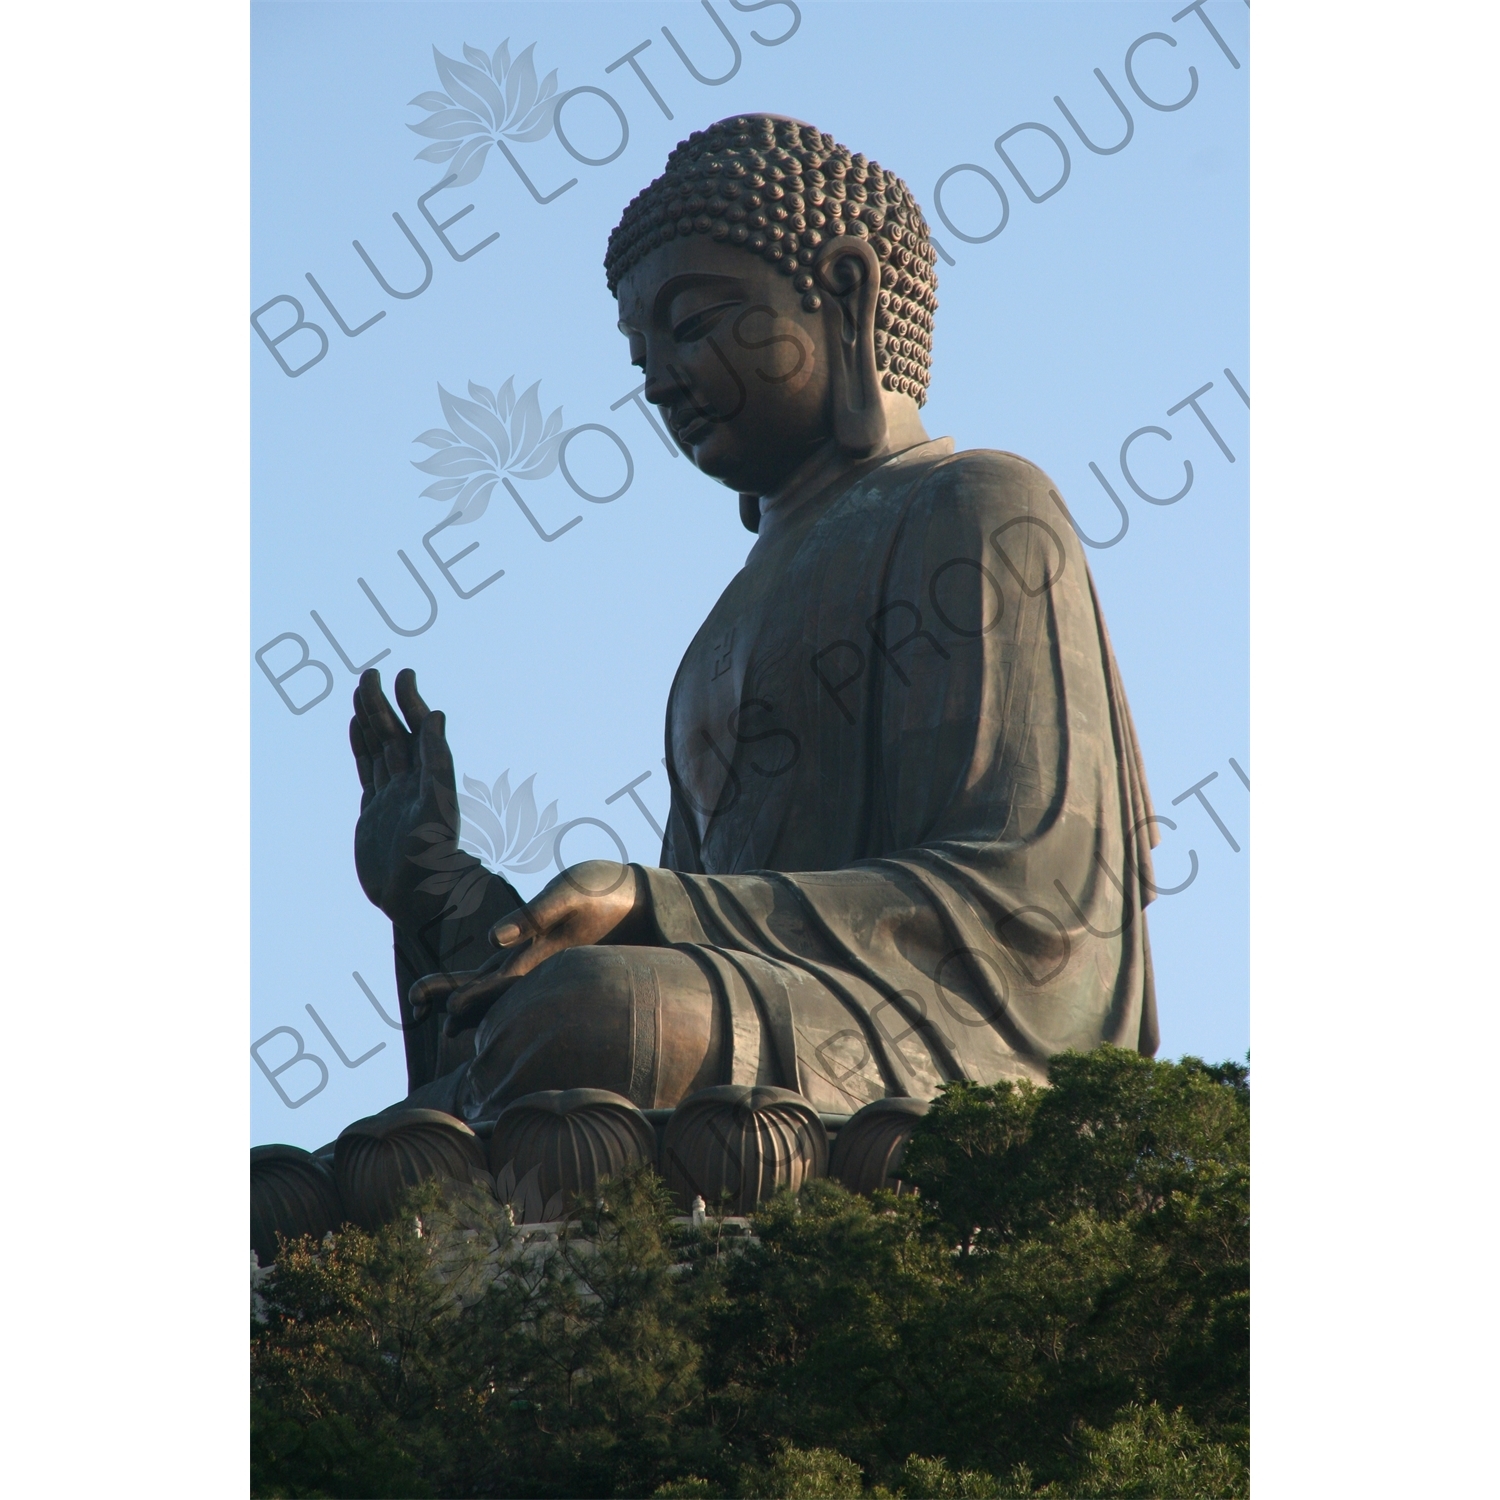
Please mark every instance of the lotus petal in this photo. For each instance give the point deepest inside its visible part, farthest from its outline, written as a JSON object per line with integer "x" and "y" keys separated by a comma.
{"x": 444, "y": 489}
{"x": 867, "y": 1154}
{"x": 460, "y": 79}
{"x": 505, "y": 398}
{"x": 525, "y": 825}
{"x": 431, "y": 100}
{"x": 470, "y": 892}
{"x": 540, "y": 849}
{"x": 531, "y": 866}
{"x": 544, "y": 466}
{"x": 544, "y": 461}
{"x": 544, "y": 109}
{"x": 746, "y": 1141}
{"x": 479, "y": 393}
{"x": 480, "y": 82}
{"x": 450, "y": 124}
{"x": 534, "y": 133}
{"x": 441, "y": 151}
{"x": 376, "y": 1160}
{"x": 501, "y": 60}
{"x": 469, "y": 162}
{"x": 291, "y": 1193}
{"x": 540, "y": 118}
{"x": 520, "y": 813}
{"x": 454, "y": 461}
{"x": 447, "y": 805}
{"x": 437, "y": 885}
{"x": 554, "y": 424}
{"x": 483, "y": 853}
{"x": 526, "y": 1197}
{"x": 520, "y": 86}
{"x": 471, "y": 489}
{"x": 477, "y": 837}
{"x": 480, "y": 822}
{"x": 473, "y": 501}
{"x": 505, "y": 1182}
{"x": 432, "y": 833}
{"x": 479, "y": 59}
{"x": 475, "y": 789}
{"x": 478, "y": 425}
{"x": 439, "y": 857}
{"x": 526, "y": 423}
{"x": 500, "y": 792}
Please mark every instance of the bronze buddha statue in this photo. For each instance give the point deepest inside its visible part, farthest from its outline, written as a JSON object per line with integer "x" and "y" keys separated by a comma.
{"x": 909, "y": 837}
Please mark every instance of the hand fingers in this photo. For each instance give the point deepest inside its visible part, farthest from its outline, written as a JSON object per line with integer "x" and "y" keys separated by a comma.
{"x": 381, "y": 725}
{"x": 516, "y": 963}
{"x": 437, "y": 758}
{"x": 360, "y": 711}
{"x": 433, "y": 989}
{"x": 467, "y": 1006}
{"x": 551, "y": 905}
{"x": 577, "y": 888}
{"x": 368, "y": 700}
{"x": 514, "y": 927}
{"x": 363, "y": 761}
{"x": 409, "y": 700}
{"x": 374, "y": 753}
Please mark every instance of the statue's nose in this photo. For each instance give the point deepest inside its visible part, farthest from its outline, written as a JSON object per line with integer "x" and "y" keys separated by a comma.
{"x": 661, "y": 386}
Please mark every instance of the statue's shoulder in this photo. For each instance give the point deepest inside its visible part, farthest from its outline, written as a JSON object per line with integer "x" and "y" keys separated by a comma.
{"x": 988, "y": 482}
{"x": 991, "y": 472}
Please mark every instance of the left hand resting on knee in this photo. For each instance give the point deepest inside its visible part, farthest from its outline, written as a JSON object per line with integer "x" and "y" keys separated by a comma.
{"x": 599, "y": 901}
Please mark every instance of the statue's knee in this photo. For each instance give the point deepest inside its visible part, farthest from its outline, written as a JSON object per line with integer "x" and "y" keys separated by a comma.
{"x": 638, "y": 1022}
{"x": 592, "y": 981}
{"x": 576, "y": 999}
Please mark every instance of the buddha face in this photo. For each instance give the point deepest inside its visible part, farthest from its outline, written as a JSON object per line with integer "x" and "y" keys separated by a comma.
{"x": 738, "y": 367}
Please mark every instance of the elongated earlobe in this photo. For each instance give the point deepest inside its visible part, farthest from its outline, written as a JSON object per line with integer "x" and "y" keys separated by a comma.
{"x": 849, "y": 275}
{"x": 750, "y": 512}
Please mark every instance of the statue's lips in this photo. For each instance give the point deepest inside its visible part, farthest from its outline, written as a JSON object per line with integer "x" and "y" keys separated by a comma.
{"x": 694, "y": 430}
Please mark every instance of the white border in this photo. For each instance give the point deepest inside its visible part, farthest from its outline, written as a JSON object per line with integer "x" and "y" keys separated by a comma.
{"x": 126, "y": 884}
{"x": 1372, "y": 550}
{"x": 126, "y": 618}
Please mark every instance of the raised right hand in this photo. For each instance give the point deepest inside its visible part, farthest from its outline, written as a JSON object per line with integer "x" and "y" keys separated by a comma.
{"x": 408, "y": 813}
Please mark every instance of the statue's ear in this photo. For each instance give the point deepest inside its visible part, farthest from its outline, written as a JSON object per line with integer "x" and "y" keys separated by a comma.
{"x": 750, "y": 512}
{"x": 848, "y": 274}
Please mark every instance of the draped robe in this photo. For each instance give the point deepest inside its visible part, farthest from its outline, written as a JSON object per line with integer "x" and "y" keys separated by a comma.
{"x": 909, "y": 836}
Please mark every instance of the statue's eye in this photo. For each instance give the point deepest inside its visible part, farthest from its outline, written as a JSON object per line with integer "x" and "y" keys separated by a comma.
{"x": 699, "y": 323}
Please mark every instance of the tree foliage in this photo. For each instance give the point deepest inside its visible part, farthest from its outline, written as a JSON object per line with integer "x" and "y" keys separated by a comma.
{"x": 1061, "y": 1308}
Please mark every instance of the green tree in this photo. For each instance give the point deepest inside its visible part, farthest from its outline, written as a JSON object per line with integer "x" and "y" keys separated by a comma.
{"x": 1105, "y": 1227}
{"x": 1060, "y": 1310}
{"x": 1150, "y": 1454}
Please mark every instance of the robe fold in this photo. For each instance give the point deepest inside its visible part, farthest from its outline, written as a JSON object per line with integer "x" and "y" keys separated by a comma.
{"x": 909, "y": 836}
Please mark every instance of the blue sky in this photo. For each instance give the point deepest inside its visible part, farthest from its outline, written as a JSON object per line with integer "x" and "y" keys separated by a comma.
{"x": 1086, "y": 319}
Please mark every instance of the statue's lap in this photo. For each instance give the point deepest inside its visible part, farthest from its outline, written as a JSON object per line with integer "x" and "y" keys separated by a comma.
{"x": 652, "y": 1025}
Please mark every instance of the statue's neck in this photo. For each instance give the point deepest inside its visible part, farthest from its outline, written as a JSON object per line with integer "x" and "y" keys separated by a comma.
{"x": 827, "y": 464}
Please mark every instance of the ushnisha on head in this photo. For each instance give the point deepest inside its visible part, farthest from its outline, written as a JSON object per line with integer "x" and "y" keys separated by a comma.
{"x": 778, "y": 291}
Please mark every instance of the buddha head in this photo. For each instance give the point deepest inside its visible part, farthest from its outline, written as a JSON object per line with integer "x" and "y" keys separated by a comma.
{"x": 777, "y": 292}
